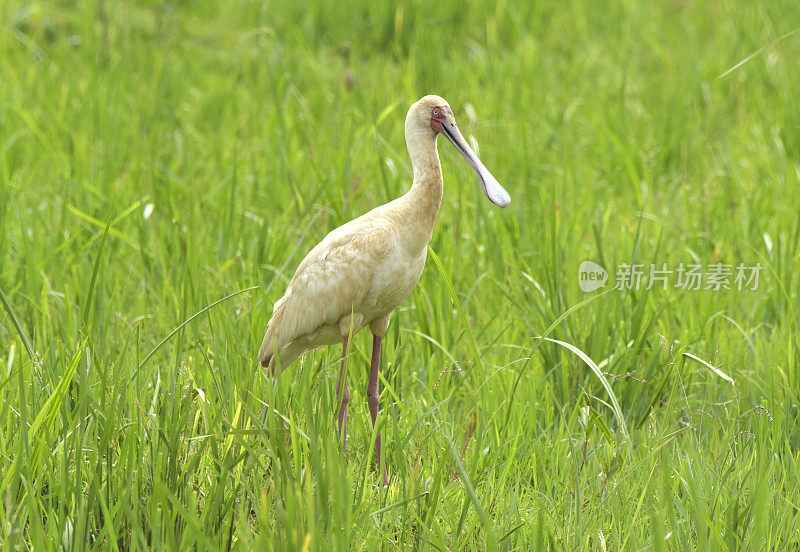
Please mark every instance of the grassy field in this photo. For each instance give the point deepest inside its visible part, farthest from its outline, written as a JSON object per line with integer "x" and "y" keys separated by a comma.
{"x": 164, "y": 166}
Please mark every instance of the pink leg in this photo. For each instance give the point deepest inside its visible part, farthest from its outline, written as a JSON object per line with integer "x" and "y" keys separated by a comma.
{"x": 374, "y": 398}
{"x": 344, "y": 397}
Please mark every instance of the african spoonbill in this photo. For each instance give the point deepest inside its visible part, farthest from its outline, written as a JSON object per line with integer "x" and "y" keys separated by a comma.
{"x": 363, "y": 270}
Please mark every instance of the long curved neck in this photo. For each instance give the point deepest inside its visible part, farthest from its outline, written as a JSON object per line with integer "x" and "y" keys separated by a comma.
{"x": 425, "y": 196}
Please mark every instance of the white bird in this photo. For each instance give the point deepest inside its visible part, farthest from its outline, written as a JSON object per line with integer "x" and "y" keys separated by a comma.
{"x": 363, "y": 270}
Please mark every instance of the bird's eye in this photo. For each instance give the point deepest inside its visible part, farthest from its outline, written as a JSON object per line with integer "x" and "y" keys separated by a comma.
{"x": 435, "y": 112}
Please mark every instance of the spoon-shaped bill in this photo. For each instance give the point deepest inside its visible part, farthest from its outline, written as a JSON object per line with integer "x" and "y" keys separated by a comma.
{"x": 491, "y": 187}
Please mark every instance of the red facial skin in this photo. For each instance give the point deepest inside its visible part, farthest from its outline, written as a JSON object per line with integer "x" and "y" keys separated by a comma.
{"x": 438, "y": 117}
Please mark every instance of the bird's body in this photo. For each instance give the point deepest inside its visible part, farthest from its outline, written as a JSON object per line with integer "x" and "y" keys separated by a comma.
{"x": 366, "y": 267}
{"x": 363, "y": 270}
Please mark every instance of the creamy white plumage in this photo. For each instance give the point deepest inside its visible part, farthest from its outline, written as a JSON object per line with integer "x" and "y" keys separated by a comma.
{"x": 363, "y": 270}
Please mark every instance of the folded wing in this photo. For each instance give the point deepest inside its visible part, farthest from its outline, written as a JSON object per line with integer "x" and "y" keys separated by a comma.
{"x": 330, "y": 283}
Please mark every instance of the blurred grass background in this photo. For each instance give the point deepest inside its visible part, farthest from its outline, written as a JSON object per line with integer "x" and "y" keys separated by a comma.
{"x": 157, "y": 157}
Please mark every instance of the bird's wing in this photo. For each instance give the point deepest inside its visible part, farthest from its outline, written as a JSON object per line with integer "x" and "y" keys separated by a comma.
{"x": 332, "y": 281}
{"x": 339, "y": 237}
{"x": 372, "y": 221}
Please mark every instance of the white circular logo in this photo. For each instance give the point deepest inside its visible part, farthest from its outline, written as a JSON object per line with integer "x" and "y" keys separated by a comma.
{"x": 591, "y": 276}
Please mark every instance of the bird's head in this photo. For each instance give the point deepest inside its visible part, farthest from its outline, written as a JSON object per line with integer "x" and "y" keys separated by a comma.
{"x": 432, "y": 114}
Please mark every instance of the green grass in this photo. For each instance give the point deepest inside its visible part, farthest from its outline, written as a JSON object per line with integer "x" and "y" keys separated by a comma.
{"x": 158, "y": 157}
